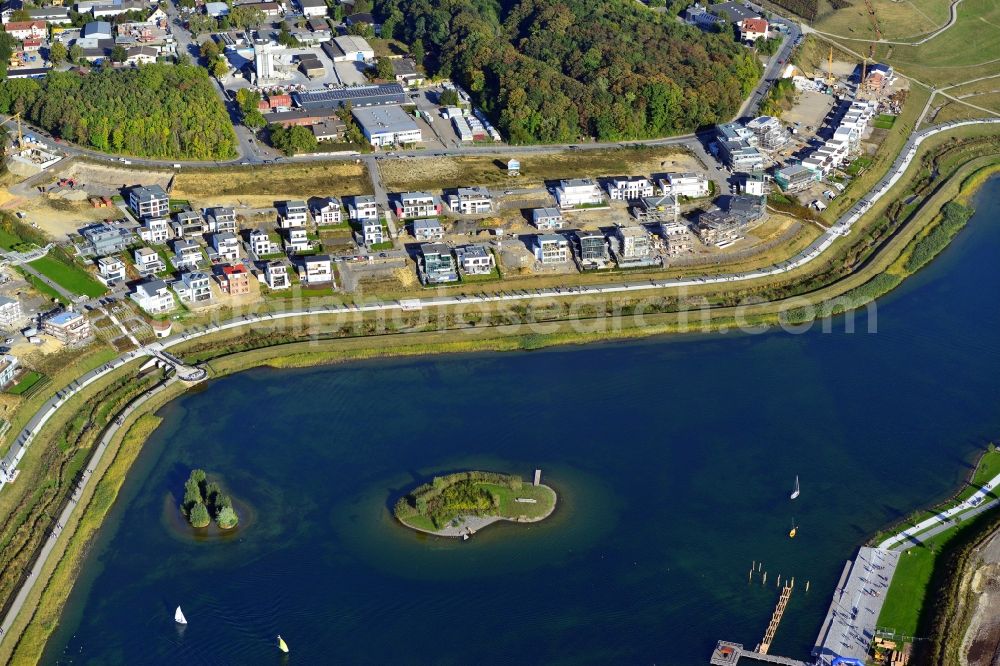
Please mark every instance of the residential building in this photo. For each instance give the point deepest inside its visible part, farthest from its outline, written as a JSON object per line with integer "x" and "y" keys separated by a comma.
{"x": 752, "y": 29}
{"x": 67, "y": 327}
{"x": 471, "y": 201}
{"x": 362, "y": 208}
{"x": 698, "y": 16}
{"x": 738, "y": 147}
{"x": 327, "y": 211}
{"x": 194, "y": 287}
{"x": 547, "y": 219}
{"x": 592, "y": 249}
{"x": 141, "y": 55}
{"x": 387, "y": 125}
{"x": 263, "y": 244}
{"x": 417, "y": 204}
{"x": 221, "y": 220}
{"x": 226, "y": 246}
{"x": 293, "y": 214}
{"x": 318, "y": 269}
{"x": 103, "y": 239}
{"x": 372, "y": 232}
{"x": 312, "y": 8}
{"x": 297, "y": 240}
{"x": 188, "y": 224}
{"x": 795, "y": 177}
{"x": 148, "y": 261}
{"x": 22, "y": 30}
{"x": 437, "y": 264}
{"x": 770, "y": 133}
{"x": 677, "y": 236}
{"x": 329, "y": 129}
{"x": 427, "y": 230}
{"x": 578, "y": 192}
{"x": 9, "y": 366}
{"x": 629, "y": 188}
{"x": 155, "y": 230}
{"x": 657, "y": 208}
{"x": 111, "y": 270}
{"x": 634, "y": 246}
{"x": 234, "y": 280}
{"x": 11, "y": 314}
{"x": 153, "y": 296}
{"x": 551, "y": 249}
{"x": 475, "y": 259}
{"x": 276, "y": 275}
{"x": 750, "y": 209}
{"x": 719, "y": 228}
{"x": 51, "y": 15}
{"x": 149, "y": 201}
{"x": 187, "y": 255}
{"x": 753, "y": 184}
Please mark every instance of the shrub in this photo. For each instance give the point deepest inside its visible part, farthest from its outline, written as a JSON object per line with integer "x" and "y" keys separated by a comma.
{"x": 227, "y": 518}
{"x": 199, "y": 516}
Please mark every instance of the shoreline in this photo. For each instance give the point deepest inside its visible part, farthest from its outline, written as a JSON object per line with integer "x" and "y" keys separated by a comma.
{"x": 225, "y": 364}
{"x": 459, "y": 531}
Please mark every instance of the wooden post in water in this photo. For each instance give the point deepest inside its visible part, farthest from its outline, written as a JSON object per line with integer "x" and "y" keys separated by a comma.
{"x": 765, "y": 579}
{"x": 750, "y": 577}
{"x": 807, "y": 586}
{"x": 779, "y": 581}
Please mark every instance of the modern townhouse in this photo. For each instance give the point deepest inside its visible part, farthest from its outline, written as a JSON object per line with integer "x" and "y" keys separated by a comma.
{"x": 471, "y": 201}
{"x": 221, "y": 220}
{"x": 68, "y": 327}
{"x": 149, "y": 201}
{"x": 226, "y": 246}
{"x": 148, "y": 261}
{"x": 153, "y": 296}
{"x": 428, "y": 230}
{"x": 552, "y": 249}
{"x": 547, "y": 219}
{"x": 234, "y": 280}
{"x": 155, "y": 230}
{"x": 372, "y": 232}
{"x": 293, "y": 214}
{"x": 578, "y": 192}
{"x": 111, "y": 270}
{"x": 437, "y": 265}
{"x": 687, "y": 184}
{"x": 362, "y": 207}
{"x": 276, "y": 275}
{"x": 187, "y": 255}
{"x": 592, "y": 249}
{"x": 194, "y": 287}
{"x": 475, "y": 259}
{"x": 417, "y": 204}
{"x": 327, "y": 211}
{"x": 317, "y": 269}
{"x": 188, "y": 224}
{"x": 629, "y": 188}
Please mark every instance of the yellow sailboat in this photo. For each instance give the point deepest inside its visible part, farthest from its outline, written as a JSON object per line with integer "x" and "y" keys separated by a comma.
{"x": 792, "y": 532}
{"x": 282, "y": 645}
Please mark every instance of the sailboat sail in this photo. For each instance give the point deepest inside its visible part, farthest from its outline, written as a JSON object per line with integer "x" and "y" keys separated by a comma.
{"x": 179, "y": 616}
{"x": 282, "y": 645}
{"x": 795, "y": 493}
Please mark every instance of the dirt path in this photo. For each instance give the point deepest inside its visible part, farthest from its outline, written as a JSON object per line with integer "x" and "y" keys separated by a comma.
{"x": 981, "y": 646}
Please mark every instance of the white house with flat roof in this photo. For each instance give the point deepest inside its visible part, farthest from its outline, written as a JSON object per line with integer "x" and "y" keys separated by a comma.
{"x": 11, "y": 314}
{"x": 475, "y": 259}
{"x": 552, "y": 249}
{"x": 428, "y": 230}
{"x": 417, "y": 204}
{"x": 153, "y": 296}
{"x": 317, "y": 269}
{"x": 9, "y": 366}
{"x": 187, "y": 255}
{"x": 194, "y": 287}
{"x": 578, "y": 192}
{"x": 155, "y": 230}
{"x": 362, "y": 207}
{"x": 547, "y": 219}
{"x": 629, "y": 188}
{"x": 471, "y": 201}
{"x": 293, "y": 214}
{"x": 111, "y": 270}
{"x": 387, "y": 125}
{"x": 226, "y": 245}
{"x": 148, "y": 261}
{"x": 327, "y": 211}
{"x": 688, "y": 184}
{"x": 276, "y": 275}
{"x": 262, "y": 244}
{"x": 372, "y": 232}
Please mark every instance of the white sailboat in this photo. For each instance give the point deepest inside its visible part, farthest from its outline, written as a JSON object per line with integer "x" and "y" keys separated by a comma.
{"x": 282, "y": 645}
{"x": 179, "y": 616}
{"x": 795, "y": 493}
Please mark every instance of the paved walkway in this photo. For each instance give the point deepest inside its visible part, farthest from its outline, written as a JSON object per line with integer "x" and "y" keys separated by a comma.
{"x": 64, "y": 517}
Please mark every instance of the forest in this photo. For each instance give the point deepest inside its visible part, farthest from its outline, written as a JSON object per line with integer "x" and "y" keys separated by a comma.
{"x": 562, "y": 70}
{"x": 156, "y": 110}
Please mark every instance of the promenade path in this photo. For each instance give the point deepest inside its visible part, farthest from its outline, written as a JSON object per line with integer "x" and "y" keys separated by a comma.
{"x": 159, "y": 348}
{"x": 64, "y": 517}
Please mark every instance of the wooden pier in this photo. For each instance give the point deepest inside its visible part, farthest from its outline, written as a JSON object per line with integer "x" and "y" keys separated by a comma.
{"x": 729, "y": 654}
{"x": 779, "y": 610}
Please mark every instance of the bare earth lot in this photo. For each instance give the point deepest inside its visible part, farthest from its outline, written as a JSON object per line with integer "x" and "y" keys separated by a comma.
{"x": 262, "y": 186}
{"x": 436, "y": 173}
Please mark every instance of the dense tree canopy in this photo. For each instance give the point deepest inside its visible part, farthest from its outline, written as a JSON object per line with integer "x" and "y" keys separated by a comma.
{"x": 558, "y": 70}
{"x": 151, "y": 111}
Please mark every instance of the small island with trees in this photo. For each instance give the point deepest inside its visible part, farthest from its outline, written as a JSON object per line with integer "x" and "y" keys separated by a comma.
{"x": 459, "y": 504}
{"x": 205, "y": 501}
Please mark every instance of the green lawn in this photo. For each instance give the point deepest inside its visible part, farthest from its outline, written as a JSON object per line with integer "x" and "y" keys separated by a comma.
{"x": 29, "y": 380}
{"x": 855, "y": 167}
{"x": 905, "y": 597}
{"x": 885, "y": 121}
{"x": 69, "y": 277}
{"x": 41, "y": 287}
{"x": 510, "y": 508}
{"x": 8, "y": 240}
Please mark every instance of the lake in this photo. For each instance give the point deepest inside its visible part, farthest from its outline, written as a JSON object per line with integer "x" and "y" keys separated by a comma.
{"x": 673, "y": 459}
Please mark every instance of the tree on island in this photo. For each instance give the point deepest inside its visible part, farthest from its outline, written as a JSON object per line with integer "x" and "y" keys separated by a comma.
{"x": 204, "y": 500}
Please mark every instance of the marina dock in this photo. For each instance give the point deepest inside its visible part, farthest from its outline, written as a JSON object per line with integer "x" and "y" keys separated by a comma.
{"x": 729, "y": 654}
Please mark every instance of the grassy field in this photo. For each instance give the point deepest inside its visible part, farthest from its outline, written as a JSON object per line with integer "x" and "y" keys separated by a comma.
{"x": 257, "y": 186}
{"x": 897, "y": 20}
{"x": 545, "y": 499}
{"x": 69, "y": 276}
{"x": 903, "y": 601}
{"x": 27, "y": 382}
{"x": 435, "y": 173}
{"x": 965, "y": 51}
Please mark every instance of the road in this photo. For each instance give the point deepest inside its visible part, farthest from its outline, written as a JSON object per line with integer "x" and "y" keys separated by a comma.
{"x": 772, "y": 72}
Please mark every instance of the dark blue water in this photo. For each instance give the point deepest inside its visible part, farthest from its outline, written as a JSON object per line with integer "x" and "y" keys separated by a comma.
{"x": 673, "y": 458}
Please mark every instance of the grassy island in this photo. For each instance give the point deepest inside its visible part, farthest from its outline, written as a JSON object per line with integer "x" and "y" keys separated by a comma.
{"x": 457, "y": 504}
{"x": 204, "y": 500}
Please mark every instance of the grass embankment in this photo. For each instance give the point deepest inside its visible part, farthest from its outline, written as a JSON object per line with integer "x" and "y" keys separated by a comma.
{"x": 263, "y": 186}
{"x": 63, "y": 270}
{"x": 905, "y": 601}
{"x": 65, "y": 567}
